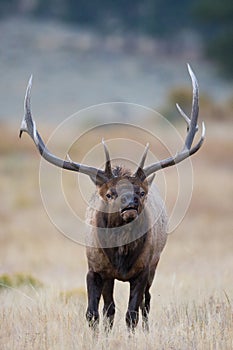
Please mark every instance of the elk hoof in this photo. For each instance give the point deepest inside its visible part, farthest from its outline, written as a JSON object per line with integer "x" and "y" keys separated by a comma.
{"x": 131, "y": 319}
{"x": 92, "y": 319}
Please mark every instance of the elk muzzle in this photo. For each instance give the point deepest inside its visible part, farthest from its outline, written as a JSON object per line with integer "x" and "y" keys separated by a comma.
{"x": 129, "y": 206}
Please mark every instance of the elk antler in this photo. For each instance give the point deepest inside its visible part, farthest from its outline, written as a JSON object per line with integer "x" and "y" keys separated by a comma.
{"x": 192, "y": 128}
{"x": 28, "y": 125}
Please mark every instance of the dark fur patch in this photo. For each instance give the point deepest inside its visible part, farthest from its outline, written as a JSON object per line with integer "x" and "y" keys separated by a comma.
{"x": 123, "y": 258}
{"x": 120, "y": 171}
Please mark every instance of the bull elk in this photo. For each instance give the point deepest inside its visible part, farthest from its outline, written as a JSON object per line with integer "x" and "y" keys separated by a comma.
{"x": 125, "y": 239}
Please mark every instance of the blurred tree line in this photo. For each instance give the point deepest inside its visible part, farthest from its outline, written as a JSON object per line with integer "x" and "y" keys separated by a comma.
{"x": 213, "y": 19}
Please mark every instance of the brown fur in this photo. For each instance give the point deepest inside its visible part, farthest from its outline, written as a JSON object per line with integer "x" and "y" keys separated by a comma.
{"x": 129, "y": 252}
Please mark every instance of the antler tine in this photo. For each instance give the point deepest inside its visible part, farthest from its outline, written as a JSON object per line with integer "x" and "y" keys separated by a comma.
{"x": 195, "y": 110}
{"x": 187, "y": 150}
{"x": 108, "y": 167}
{"x": 28, "y": 125}
{"x": 186, "y": 118}
{"x": 142, "y": 161}
{"x": 27, "y": 101}
{"x": 200, "y": 142}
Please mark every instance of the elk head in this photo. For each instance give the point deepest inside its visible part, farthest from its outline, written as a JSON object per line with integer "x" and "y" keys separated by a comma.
{"x": 124, "y": 193}
{"x": 123, "y": 196}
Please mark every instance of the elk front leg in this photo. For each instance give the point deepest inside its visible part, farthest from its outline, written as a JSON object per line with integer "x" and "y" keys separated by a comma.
{"x": 109, "y": 305}
{"x": 137, "y": 290}
{"x": 94, "y": 289}
{"x": 145, "y": 306}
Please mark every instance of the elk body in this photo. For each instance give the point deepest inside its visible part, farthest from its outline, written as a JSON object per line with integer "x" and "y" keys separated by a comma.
{"x": 128, "y": 232}
{"x": 127, "y": 218}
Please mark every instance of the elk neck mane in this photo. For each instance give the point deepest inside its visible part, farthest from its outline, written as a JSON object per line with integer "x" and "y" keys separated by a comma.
{"x": 125, "y": 248}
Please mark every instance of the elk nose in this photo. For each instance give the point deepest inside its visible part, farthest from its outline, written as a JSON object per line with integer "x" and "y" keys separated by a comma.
{"x": 136, "y": 201}
{"x": 128, "y": 199}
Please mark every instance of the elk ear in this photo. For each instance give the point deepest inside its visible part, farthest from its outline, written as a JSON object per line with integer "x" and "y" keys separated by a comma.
{"x": 150, "y": 179}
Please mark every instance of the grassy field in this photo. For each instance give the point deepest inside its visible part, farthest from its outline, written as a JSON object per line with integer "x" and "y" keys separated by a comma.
{"x": 42, "y": 273}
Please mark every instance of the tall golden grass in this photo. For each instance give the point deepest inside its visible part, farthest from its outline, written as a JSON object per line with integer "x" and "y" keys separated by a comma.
{"x": 192, "y": 296}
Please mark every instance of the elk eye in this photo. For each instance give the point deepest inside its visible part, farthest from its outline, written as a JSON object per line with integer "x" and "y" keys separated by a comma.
{"x": 108, "y": 195}
{"x": 142, "y": 194}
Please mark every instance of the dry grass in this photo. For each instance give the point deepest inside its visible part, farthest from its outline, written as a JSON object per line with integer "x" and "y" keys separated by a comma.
{"x": 43, "y": 320}
{"x": 192, "y": 297}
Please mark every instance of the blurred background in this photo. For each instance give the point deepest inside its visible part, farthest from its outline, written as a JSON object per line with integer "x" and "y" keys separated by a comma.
{"x": 82, "y": 53}
{"x": 88, "y": 52}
